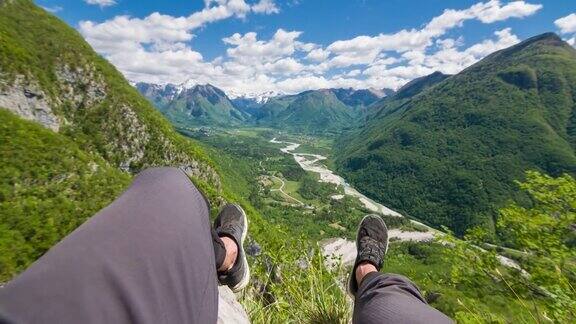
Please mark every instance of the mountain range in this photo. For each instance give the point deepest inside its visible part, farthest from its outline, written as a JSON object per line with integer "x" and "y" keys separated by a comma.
{"x": 448, "y": 149}
{"x": 444, "y": 149}
{"x": 313, "y": 111}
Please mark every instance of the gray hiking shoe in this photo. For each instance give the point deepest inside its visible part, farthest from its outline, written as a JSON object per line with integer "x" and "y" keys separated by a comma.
{"x": 371, "y": 244}
{"x": 232, "y": 222}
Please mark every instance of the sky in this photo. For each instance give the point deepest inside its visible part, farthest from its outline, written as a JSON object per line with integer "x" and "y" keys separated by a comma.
{"x": 289, "y": 46}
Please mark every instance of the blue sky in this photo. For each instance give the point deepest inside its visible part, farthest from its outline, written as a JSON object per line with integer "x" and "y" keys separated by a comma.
{"x": 253, "y": 46}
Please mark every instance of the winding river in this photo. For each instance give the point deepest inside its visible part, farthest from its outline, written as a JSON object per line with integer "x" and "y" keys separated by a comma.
{"x": 347, "y": 249}
{"x": 309, "y": 162}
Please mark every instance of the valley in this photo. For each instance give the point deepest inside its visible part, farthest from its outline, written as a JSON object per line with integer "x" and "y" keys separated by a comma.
{"x": 323, "y": 215}
{"x": 312, "y": 163}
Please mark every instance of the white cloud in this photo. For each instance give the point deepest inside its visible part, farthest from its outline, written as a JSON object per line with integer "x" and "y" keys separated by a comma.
{"x": 364, "y": 47}
{"x": 318, "y": 55}
{"x": 265, "y": 6}
{"x": 305, "y": 47}
{"x": 353, "y": 73}
{"x": 285, "y": 66}
{"x": 505, "y": 39}
{"x": 158, "y": 28}
{"x": 101, "y": 3}
{"x": 567, "y": 24}
{"x": 492, "y": 11}
{"x": 158, "y": 48}
{"x": 248, "y": 48}
{"x": 447, "y": 59}
{"x": 302, "y": 83}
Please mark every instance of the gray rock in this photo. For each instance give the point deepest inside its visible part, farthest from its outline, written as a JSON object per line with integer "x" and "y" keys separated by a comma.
{"x": 29, "y": 102}
{"x": 80, "y": 86}
{"x": 254, "y": 249}
{"x": 229, "y": 309}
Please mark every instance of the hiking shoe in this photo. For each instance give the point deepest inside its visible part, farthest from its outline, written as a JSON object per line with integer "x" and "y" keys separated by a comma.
{"x": 232, "y": 222}
{"x": 371, "y": 244}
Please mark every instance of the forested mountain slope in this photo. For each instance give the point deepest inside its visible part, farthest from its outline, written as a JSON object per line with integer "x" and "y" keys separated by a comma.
{"x": 200, "y": 105}
{"x": 449, "y": 154}
{"x": 86, "y": 131}
{"x": 51, "y": 75}
{"x": 48, "y": 187}
{"x": 313, "y": 111}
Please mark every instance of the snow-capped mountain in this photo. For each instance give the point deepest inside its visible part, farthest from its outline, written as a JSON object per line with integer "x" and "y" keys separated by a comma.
{"x": 259, "y": 98}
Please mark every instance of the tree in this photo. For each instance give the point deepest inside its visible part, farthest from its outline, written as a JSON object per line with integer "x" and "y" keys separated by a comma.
{"x": 540, "y": 237}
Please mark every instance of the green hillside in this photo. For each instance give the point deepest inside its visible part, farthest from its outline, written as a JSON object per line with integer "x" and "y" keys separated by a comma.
{"x": 98, "y": 132}
{"x": 201, "y": 105}
{"x": 48, "y": 187}
{"x": 86, "y": 96}
{"x": 308, "y": 112}
{"x": 450, "y": 154}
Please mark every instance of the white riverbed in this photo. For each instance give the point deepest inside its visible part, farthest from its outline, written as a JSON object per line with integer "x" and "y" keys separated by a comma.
{"x": 310, "y": 162}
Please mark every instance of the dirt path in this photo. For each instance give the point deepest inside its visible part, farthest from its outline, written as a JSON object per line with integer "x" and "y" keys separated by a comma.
{"x": 281, "y": 190}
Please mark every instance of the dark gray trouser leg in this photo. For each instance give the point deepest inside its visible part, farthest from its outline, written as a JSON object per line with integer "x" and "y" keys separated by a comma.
{"x": 146, "y": 258}
{"x": 390, "y": 298}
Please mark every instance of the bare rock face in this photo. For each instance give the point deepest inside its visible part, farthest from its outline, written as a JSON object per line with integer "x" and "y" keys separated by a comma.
{"x": 27, "y": 100}
{"x": 130, "y": 141}
{"x": 81, "y": 86}
{"x": 131, "y": 137}
{"x": 229, "y": 309}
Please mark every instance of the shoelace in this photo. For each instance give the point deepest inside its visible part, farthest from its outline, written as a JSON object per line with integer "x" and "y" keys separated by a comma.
{"x": 371, "y": 250}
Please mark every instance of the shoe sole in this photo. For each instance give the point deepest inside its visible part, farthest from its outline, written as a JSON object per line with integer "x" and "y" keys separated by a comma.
{"x": 352, "y": 274}
{"x": 246, "y": 278}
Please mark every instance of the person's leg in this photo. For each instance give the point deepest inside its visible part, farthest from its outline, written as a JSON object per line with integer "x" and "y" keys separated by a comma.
{"x": 225, "y": 252}
{"x": 231, "y": 226}
{"x": 146, "y": 258}
{"x": 219, "y": 249}
{"x": 391, "y": 298}
{"x": 384, "y": 298}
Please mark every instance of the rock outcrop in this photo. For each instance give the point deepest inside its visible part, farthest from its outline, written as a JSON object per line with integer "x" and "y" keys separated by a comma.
{"x": 80, "y": 86}
{"x": 229, "y": 309}
{"x": 27, "y": 100}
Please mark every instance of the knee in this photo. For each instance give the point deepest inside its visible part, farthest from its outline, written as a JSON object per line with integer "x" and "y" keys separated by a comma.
{"x": 162, "y": 174}
{"x": 396, "y": 277}
{"x": 160, "y": 171}
{"x": 164, "y": 178}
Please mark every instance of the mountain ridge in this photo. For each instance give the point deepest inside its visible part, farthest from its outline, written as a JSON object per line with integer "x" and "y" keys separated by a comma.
{"x": 185, "y": 106}
{"x": 459, "y": 145}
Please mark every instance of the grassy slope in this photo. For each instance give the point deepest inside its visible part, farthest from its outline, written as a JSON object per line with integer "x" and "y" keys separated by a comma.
{"x": 450, "y": 154}
{"x": 48, "y": 187}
